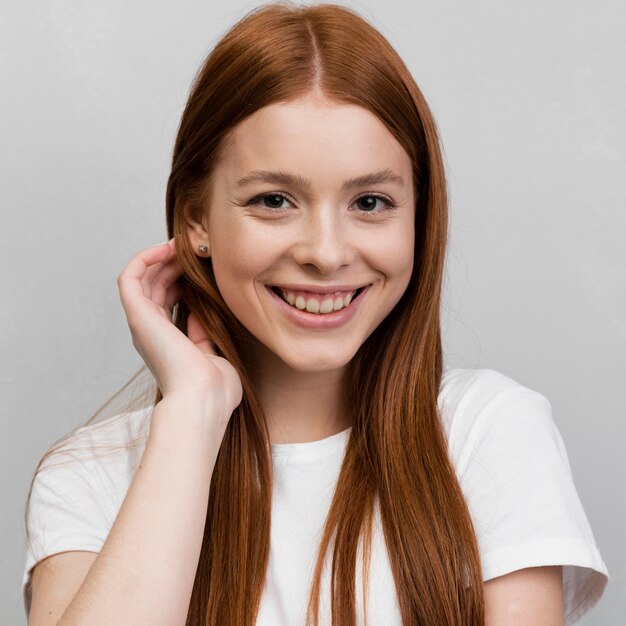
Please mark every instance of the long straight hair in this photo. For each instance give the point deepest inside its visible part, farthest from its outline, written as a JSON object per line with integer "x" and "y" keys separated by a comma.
{"x": 397, "y": 450}
{"x": 397, "y": 456}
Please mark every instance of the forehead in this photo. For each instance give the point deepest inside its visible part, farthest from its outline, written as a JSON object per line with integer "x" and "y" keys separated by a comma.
{"x": 315, "y": 138}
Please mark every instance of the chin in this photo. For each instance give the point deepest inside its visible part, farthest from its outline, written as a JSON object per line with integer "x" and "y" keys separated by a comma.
{"x": 316, "y": 363}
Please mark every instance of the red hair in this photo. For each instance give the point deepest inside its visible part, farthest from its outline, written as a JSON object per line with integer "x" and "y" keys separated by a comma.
{"x": 397, "y": 451}
{"x": 397, "y": 456}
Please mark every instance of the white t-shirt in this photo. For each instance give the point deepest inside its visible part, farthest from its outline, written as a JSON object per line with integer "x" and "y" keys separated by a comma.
{"x": 508, "y": 454}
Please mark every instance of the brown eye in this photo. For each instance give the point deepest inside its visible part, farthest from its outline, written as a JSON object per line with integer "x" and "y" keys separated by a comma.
{"x": 273, "y": 201}
{"x": 270, "y": 202}
{"x": 368, "y": 203}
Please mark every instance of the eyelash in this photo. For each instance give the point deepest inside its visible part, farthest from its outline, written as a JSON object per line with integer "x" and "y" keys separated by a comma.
{"x": 389, "y": 204}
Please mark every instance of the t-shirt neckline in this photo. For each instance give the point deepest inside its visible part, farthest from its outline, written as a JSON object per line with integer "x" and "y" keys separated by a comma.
{"x": 312, "y": 448}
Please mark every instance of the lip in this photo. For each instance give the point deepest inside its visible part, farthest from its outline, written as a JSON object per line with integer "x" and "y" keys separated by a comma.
{"x": 317, "y": 321}
{"x": 320, "y": 289}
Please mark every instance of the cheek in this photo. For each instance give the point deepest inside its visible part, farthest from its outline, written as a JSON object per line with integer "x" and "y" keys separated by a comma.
{"x": 394, "y": 254}
{"x": 233, "y": 273}
{"x": 240, "y": 255}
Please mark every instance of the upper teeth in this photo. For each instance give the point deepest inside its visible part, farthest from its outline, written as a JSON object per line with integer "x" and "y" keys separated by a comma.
{"x": 318, "y": 303}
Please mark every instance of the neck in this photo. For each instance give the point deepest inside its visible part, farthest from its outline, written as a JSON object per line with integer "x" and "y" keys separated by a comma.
{"x": 301, "y": 406}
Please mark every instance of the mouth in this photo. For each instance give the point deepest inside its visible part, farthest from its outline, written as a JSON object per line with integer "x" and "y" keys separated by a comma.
{"x": 318, "y": 303}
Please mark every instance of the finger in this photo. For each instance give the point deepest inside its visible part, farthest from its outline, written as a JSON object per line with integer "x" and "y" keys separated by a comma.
{"x": 140, "y": 263}
{"x": 154, "y": 269}
{"x": 164, "y": 279}
{"x": 153, "y": 272}
{"x": 129, "y": 281}
{"x": 171, "y": 298}
{"x": 199, "y": 336}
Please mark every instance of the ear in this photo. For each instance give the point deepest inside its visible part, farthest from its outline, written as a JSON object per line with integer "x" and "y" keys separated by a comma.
{"x": 195, "y": 219}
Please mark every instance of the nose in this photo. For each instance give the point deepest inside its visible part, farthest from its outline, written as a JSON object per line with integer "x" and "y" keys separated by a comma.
{"x": 323, "y": 241}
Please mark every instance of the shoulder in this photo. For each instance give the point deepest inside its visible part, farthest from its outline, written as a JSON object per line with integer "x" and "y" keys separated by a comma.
{"x": 470, "y": 400}
{"x": 98, "y": 452}
{"x": 84, "y": 478}
{"x": 79, "y": 487}
{"x": 93, "y": 463}
{"x": 496, "y": 425}
{"x": 461, "y": 386}
{"x": 515, "y": 475}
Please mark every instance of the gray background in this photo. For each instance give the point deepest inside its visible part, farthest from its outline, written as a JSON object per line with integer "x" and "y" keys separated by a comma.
{"x": 530, "y": 98}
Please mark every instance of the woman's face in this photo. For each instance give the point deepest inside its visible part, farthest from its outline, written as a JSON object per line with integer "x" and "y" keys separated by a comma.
{"x": 310, "y": 223}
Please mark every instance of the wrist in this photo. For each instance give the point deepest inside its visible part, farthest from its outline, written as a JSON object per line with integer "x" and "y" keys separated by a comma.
{"x": 191, "y": 406}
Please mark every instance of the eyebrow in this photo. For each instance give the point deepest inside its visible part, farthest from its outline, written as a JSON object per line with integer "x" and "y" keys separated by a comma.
{"x": 285, "y": 178}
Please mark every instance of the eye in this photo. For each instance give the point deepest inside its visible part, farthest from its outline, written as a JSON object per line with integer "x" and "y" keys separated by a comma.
{"x": 373, "y": 203}
{"x": 269, "y": 202}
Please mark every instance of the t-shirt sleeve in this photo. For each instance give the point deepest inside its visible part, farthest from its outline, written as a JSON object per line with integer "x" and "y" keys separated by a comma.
{"x": 516, "y": 477}
{"x": 79, "y": 489}
{"x": 63, "y": 514}
{"x": 73, "y": 505}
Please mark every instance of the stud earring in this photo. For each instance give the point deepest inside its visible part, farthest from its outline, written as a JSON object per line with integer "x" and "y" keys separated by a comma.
{"x": 203, "y": 249}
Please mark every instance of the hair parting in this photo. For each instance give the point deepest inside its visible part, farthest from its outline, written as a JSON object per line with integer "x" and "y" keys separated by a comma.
{"x": 396, "y": 470}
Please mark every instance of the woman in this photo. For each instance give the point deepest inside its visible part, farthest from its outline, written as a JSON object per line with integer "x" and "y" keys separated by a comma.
{"x": 307, "y": 455}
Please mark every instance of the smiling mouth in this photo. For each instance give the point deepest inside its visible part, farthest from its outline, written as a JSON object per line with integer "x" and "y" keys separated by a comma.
{"x": 319, "y": 303}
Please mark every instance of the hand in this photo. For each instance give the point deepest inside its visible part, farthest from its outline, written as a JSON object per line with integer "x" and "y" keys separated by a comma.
{"x": 180, "y": 364}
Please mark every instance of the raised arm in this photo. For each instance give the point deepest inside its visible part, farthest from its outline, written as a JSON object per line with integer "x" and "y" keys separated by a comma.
{"x": 145, "y": 571}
